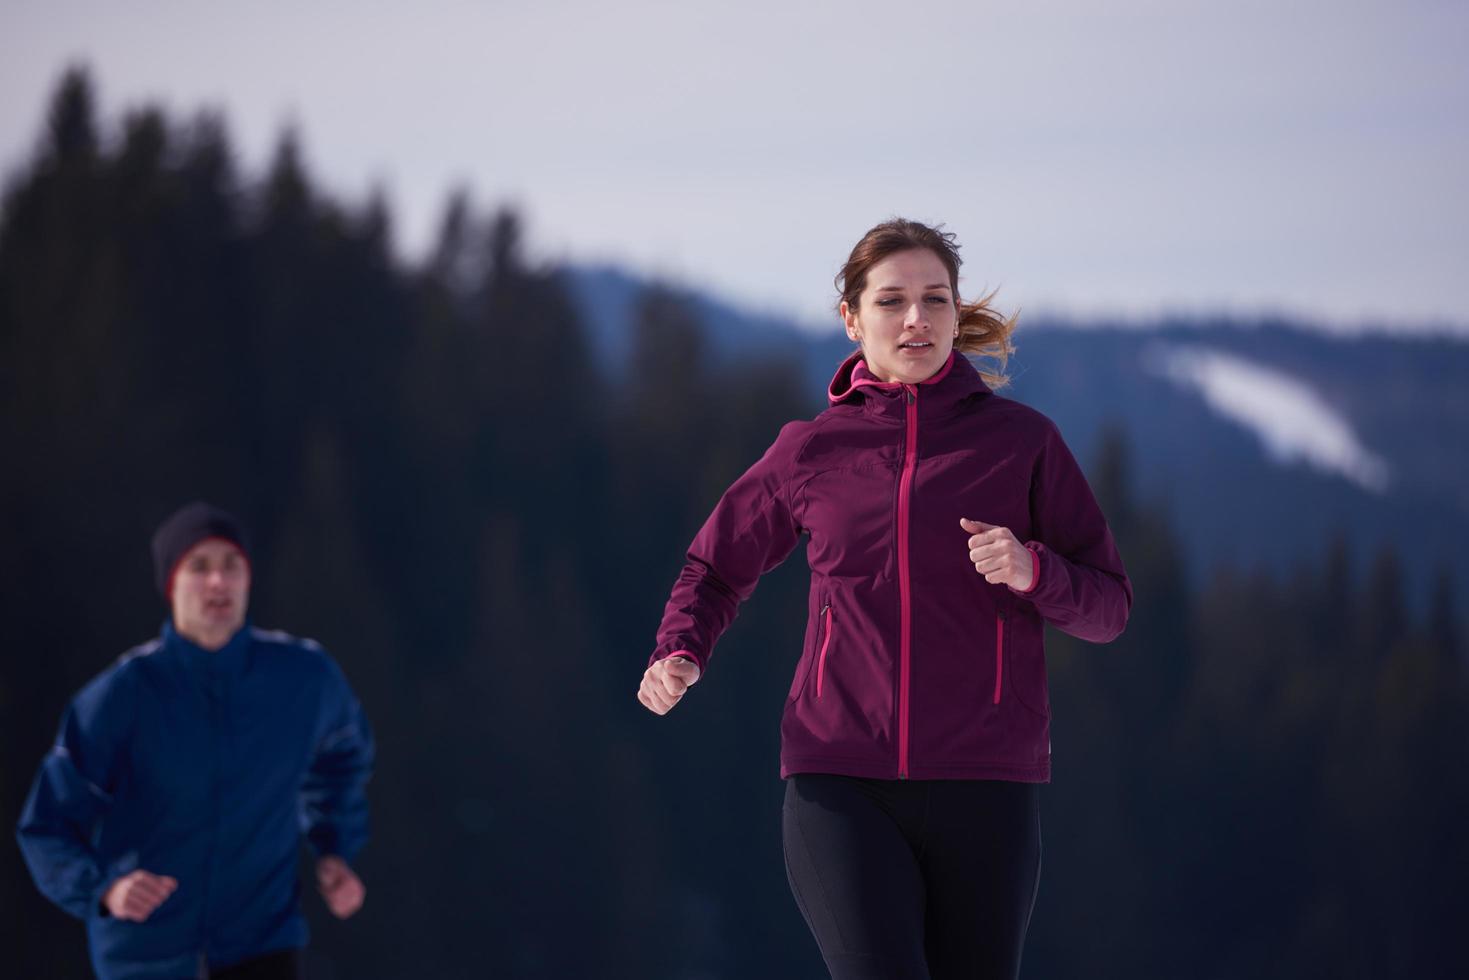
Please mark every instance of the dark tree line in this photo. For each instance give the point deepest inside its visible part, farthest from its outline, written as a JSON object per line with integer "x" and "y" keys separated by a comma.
{"x": 1263, "y": 777}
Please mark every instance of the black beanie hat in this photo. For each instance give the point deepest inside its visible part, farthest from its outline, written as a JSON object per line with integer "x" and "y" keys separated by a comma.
{"x": 189, "y": 525}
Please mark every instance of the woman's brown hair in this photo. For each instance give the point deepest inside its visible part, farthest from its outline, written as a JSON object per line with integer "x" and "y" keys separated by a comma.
{"x": 982, "y": 331}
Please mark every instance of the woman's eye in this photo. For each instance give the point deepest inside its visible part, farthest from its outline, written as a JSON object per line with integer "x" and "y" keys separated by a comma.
{"x": 940, "y": 300}
{"x": 889, "y": 301}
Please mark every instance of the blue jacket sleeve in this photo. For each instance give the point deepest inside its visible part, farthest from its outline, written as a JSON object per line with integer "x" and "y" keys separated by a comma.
{"x": 71, "y": 794}
{"x": 333, "y": 804}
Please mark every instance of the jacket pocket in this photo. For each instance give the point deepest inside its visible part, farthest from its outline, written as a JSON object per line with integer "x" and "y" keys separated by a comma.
{"x": 999, "y": 652}
{"x": 1019, "y": 649}
{"x": 824, "y": 643}
{"x": 810, "y": 652}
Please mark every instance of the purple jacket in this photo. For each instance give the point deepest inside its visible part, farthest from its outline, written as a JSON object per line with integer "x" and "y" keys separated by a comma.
{"x": 913, "y": 666}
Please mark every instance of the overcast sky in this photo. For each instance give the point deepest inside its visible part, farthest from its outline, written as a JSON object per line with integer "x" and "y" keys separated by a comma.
{"x": 1126, "y": 157}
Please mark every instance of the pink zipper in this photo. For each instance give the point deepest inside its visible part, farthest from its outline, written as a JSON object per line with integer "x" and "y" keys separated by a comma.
{"x": 905, "y": 491}
{"x": 999, "y": 652}
{"x": 825, "y": 642}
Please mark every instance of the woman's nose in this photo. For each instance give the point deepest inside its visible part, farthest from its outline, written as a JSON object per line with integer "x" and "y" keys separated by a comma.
{"x": 914, "y": 317}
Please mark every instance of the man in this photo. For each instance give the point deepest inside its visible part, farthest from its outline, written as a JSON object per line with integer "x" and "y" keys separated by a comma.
{"x": 168, "y": 815}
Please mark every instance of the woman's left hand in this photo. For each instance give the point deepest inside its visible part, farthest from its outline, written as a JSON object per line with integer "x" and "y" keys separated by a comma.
{"x": 998, "y": 555}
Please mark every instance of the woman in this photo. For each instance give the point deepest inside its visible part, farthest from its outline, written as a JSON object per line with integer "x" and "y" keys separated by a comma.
{"x": 947, "y": 525}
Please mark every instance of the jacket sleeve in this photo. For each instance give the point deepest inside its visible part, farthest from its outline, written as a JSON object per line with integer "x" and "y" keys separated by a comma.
{"x": 333, "y": 803}
{"x": 1080, "y": 586}
{"x": 750, "y": 532}
{"x": 72, "y": 792}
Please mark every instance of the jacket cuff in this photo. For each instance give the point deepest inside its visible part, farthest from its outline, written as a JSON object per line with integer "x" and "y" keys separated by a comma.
{"x": 107, "y": 876}
{"x": 348, "y": 855}
{"x": 99, "y": 906}
{"x": 330, "y": 841}
{"x": 1035, "y": 569}
{"x": 686, "y": 654}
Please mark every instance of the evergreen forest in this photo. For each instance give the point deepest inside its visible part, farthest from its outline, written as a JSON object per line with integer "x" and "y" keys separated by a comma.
{"x": 1261, "y": 778}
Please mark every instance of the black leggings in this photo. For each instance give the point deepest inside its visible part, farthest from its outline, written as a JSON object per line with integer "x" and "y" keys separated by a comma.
{"x": 914, "y": 880}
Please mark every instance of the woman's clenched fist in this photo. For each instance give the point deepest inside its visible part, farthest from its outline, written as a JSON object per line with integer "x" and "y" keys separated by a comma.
{"x": 999, "y": 556}
{"x": 666, "y": 682}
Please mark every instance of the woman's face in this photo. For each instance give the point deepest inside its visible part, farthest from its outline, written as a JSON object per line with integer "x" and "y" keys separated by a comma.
{"x": 906, "y": 318}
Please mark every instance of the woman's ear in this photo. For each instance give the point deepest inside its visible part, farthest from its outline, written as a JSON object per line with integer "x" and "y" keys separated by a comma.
{"x": 849, "y": 318}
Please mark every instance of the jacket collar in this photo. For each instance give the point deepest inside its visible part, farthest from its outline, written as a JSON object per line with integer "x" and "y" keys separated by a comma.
{"x": 229, "y": 660}
{"x": 953, "y": 383}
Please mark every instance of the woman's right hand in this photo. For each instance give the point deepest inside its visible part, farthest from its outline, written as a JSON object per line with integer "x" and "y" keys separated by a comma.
{"x": 666, "y": 682}
{"x": 137, "y": 894}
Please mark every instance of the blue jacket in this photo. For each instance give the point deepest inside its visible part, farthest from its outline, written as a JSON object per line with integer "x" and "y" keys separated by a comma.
{"x": 207, "y": 767}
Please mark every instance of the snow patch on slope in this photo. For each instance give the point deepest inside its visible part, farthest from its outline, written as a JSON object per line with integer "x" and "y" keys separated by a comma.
{"x": 1292, "y": 421}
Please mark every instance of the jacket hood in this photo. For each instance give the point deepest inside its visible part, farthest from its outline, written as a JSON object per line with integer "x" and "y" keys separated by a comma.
{"x": 953, "y": 382}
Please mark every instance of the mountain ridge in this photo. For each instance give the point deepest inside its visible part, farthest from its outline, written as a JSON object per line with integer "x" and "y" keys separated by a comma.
{"x": 1404, "y": 399}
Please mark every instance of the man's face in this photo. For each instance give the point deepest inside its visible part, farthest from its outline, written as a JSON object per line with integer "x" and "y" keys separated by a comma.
{"x": 211, "y": 590}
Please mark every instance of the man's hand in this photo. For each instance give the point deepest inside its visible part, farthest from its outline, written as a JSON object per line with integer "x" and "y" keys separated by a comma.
{"x": 137, "y": 894}
{"x": 998, "y": 555}
{"x": 339, "y": 886}
{"x": 665, "y": 683}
